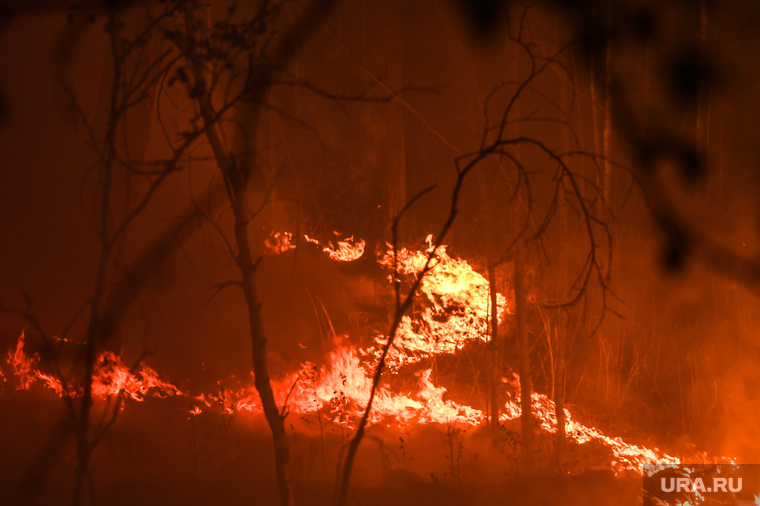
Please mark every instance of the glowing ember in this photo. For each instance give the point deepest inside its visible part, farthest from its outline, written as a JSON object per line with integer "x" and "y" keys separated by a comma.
{"x": 346, "y": 250}
{"x": 279, "y": 242}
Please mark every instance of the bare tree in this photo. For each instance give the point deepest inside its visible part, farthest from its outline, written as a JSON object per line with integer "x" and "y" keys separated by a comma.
{"x": 125, "y": 183}
{"x": 224, "y": 73}
{"x": 497, "y": 143}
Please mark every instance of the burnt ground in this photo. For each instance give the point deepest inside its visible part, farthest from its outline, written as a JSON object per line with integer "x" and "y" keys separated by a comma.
{"x": 534, "y": 490}
{"x": 158, "y": 454}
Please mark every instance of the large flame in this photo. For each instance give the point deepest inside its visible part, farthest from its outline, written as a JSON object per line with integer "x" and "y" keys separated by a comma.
{"x": 340, "y": 391}
{"x": 456, "y": 306}
{"x": 628, "y": 457}
{"x": 112, "y": 378}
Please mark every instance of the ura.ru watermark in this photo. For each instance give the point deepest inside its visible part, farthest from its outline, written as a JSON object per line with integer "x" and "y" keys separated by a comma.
{"x": 685, "y": 484}
{"x": 701, "y": 484}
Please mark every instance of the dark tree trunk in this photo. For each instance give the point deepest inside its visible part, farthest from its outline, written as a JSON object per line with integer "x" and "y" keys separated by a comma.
{"x": 526, "y": 418}
{"x": 236, "y": 178}
{"x": 495, "y": 351}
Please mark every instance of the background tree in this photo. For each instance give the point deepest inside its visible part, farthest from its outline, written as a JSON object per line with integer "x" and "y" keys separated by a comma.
{"x": 116, "y": 191}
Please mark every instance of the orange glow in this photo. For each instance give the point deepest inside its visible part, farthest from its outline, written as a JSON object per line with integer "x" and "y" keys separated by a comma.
{"x": 279, "y": 242}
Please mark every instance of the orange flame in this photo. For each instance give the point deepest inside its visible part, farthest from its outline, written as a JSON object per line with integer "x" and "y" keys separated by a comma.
{"x": 25, "y": 369}
{"x": 628, "y": 457}
{"x": 279, "y": 242}
{"x": 111, "y": 377}
{"x": 347, "y": 250}
{"x": 456, "y": 310}
{"x": 340, "y": 391}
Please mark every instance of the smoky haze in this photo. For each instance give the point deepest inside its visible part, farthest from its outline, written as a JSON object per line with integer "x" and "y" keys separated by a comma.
{"x": 377, "y": 106}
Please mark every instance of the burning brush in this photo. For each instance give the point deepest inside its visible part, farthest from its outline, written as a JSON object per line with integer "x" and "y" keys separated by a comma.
{"x": 455, "y": 312}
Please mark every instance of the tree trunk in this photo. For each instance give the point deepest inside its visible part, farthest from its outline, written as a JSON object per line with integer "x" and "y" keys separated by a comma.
{"x": 258, "y": 342}
{"x": 559, "y": 389}
{"x": 237, "y": 181}
{"x": 597, "y": 144}
{"x": 526, "y": 417}
{"x": 495, "y": 351}
{"x": 83, "y": 428}
{"x": 607, "y": 138}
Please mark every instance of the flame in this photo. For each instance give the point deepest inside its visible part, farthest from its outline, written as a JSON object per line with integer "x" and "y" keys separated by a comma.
{"x": 347, "y": 250}
{"x": 340, "y": 391}
{"x": 110, "y": 377}
{"x": 344, "y": 250}
{"x": 456, "y": 306}
{"x": 279, "y": 242}
{"x": 345, "y": 385}
{"x": 628, "y": 457}
{"x": 25, "y": 369}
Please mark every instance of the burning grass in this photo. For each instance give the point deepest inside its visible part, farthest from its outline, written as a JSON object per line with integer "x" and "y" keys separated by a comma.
{"x": 453, "y": 312}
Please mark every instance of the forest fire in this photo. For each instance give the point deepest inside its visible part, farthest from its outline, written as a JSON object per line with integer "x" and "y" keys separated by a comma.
{"x": 456, "y": 312}
{"x": 216, "y": 285}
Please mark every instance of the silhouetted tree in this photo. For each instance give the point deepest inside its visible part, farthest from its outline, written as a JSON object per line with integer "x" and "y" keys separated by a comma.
{"x": 125, "y": 183}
